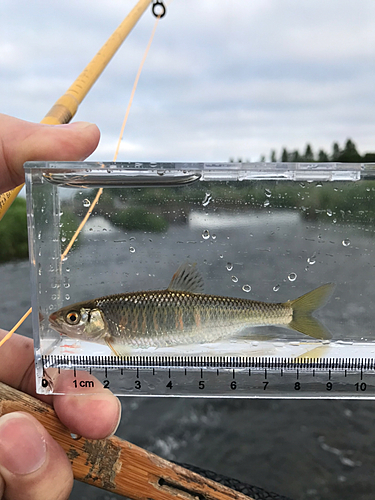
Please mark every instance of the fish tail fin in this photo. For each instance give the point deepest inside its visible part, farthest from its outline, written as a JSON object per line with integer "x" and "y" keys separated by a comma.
{"x": 304, "y": 306}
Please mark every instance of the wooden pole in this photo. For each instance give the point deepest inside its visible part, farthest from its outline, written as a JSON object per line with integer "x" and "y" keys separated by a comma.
{"x": 117, "y": 465}
{"x": 66, "y": 106}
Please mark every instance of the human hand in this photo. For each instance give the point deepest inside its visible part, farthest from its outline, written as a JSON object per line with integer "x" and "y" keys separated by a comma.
{"x": 22, "y": 141}
{"x": 32, "y": 465}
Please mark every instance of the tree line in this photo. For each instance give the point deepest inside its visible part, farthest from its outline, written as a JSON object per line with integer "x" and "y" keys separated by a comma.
{"x": 346, "y": 154}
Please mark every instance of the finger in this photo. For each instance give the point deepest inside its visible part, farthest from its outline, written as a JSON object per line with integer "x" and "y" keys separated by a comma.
{"x": 94, "y": 416}
{"x": 32, "y": 465}
{"x": 22, "y": 141}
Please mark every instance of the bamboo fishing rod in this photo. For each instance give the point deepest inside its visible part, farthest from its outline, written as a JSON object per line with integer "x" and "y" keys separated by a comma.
{"x": 117, "y": 465}
{"x": 66, "y": 106}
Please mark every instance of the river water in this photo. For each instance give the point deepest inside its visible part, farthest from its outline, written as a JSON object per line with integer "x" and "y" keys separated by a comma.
{"x": 306, "y": 449}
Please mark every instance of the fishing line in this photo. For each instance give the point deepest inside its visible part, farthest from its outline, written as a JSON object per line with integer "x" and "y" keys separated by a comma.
{"x": 100, "y": 190}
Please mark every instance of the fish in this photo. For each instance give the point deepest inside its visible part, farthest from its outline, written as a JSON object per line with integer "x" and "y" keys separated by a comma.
{"x": 182, "y": 314}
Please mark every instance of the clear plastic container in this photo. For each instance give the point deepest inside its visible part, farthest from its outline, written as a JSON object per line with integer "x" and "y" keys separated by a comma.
{"x": 262, "y": 231}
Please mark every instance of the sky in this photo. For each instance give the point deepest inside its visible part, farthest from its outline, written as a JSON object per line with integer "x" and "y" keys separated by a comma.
{"x": 222, "y": 79}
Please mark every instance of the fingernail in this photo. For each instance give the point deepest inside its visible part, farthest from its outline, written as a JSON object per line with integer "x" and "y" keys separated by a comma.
{"x": 119, "y": 418}
{"x": 22, "y": 446}
{"x": 81, "y": 125}
{"x": 76, "y": 125}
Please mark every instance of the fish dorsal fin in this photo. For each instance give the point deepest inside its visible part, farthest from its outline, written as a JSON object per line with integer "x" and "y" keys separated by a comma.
{"x": 187, "y": 278}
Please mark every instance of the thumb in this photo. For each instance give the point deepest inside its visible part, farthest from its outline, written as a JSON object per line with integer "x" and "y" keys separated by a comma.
{"x": 22, "y": 141}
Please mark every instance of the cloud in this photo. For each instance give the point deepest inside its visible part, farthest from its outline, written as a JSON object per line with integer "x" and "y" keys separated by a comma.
{"x": 222, "y": 78}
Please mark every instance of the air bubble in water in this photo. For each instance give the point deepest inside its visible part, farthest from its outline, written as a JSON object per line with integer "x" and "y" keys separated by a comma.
{"x": 292, "y": 277}
{"x": 207, "y": 199}
{"x": 246, "y": 288}
{"x": 206, "y": 234}
{"x": 234, "y": 279}
{"x": 276, "y": 288}
{"x": 266, "y": 203}
{"x": 229, "y": 266}
{"x": 267, "y": 193}
{"x": 86, "y": 203}
{"x": 131, "y": 249}
{"x": 346, "y": 242}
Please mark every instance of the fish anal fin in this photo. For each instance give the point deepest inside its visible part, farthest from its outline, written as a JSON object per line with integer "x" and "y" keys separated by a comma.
{"x": 187, "y": 278}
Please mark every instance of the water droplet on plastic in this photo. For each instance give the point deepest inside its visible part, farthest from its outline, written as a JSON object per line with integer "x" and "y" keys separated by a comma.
{"x": 86, "y": 203}
{"x": 67, "y": 296}
{"x": 229, "y": 266}
{"x": 311, "y": 260}
{"x": 66, "y": 282}
{"x": 40, "y": 269}
{"x": 39, "y": 235}
{"x": 63, "y": 239}
{"x": 160, "y": 172}
{"x": 234, "y": 279}
{"x": 221, "y": 256}
{"x": 267, "y": 193}
{"x": 53, "y": 296}
{"x": 276, "y": 288}
{"x": 266, "y": 203}
{"x": 213, "y": 236}
{"x": 206, "y": 234}
{"x": 292, "y": 277}
{"x": 75, "y": 436}
{"x": 246, "y": 288}
{"x": 329, "y": 213}
{"x": 346, "y": 242}
{"x": 207, "y": 199}
{"x": 131, "y": 249}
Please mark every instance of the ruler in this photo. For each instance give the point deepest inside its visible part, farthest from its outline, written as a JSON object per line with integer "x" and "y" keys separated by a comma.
{"x": 239, "y": 377}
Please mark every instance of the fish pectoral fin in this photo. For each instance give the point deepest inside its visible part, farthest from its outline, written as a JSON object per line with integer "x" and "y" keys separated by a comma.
{"x": 119, "y": 350}
{"x": 187, "y": 278}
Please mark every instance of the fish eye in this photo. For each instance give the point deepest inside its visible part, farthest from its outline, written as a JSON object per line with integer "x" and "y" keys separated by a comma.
{"x": 73, "y": 318}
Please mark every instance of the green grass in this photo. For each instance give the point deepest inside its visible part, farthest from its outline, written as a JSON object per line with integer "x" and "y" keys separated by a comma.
{"x": 13, "y": 232}
{"x": 139, "y": 219}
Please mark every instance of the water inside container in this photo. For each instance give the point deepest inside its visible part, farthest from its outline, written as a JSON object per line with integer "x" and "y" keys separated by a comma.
{"x": 266, "y": 232}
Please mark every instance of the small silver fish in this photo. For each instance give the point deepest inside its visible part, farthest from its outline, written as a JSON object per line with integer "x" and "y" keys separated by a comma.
{"x": 182, "y": 314}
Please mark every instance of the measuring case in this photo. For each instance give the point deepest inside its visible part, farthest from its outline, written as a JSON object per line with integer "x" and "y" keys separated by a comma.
{"x": 269, "y": 232}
